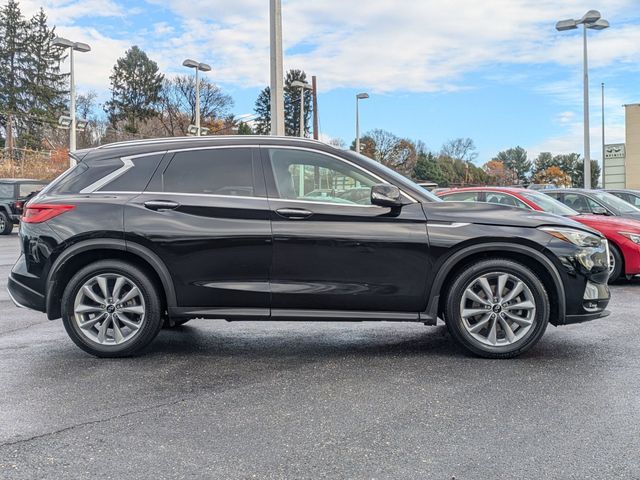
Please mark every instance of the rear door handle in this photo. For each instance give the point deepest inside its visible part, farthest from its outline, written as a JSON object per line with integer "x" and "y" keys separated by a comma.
{"x": 161, "y": 205}
{"x": 294, "y": 213}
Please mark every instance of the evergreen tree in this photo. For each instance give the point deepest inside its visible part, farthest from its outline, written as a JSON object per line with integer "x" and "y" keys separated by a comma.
{"x": 135, "y": 89}
{"x": 291, "y": 107}
{"x": 263, "y": 112}
{"x": 427, "y": 168}
{"x": 13, "y": 52}
{"x": 515, "y": 159}
{"x": 45, "y": 87}
{"x": 244, "y": 129}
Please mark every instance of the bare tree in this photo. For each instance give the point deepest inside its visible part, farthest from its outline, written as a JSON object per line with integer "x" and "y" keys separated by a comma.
{"x": 390, "y": 150}
{"x": 178, "y": 103}
{"x": 460, "y": 149}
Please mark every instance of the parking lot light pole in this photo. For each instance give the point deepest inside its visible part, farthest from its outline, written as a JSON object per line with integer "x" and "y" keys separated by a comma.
{"x": 302, "y": 86}
{"x": 277, "y": 69}
{"x": 592, "y": 20}
{"x": 73, "y": 47}
{"x": 198, "y": 67}
{"x": 360, "y": 96}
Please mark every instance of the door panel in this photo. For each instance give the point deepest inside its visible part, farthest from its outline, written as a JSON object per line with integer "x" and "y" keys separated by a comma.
{"x": 217, "y": 247}
{"x": 329, "y": 255}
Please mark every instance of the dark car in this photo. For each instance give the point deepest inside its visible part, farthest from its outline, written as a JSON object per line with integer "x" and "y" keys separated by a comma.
{"x": 146, "y": 233}
{"x": 14, "y": 192}
{"x": 626, "y": 194}
{"x": 595, "y": 202}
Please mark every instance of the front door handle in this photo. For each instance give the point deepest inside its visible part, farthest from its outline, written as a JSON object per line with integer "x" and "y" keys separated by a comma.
{"x": 161, "y": 205}
{"x": 294, "y": 213}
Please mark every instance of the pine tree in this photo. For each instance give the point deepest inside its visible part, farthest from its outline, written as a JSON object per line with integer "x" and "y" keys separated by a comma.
{"x": 291, "y": 107}
{"x": 263, "y": 112}
{"x": 136, "y": 85}
{"x": 45, "y": 87}
{"x": 13, "y": 52}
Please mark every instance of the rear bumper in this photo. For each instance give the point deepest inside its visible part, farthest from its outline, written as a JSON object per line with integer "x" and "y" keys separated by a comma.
{"x": 24, "y": 297}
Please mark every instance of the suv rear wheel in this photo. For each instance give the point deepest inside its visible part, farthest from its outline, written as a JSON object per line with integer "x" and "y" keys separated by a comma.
{"x": 5, "y": 224}
{"x": 497, "y": 308}
{"x": 111, "y": 309}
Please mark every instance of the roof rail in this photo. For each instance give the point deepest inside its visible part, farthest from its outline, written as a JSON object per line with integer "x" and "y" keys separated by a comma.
{"x": 152, "y": 141}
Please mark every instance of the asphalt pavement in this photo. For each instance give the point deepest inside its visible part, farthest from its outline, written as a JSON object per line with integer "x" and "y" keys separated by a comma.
{"x": 263, "y": 400}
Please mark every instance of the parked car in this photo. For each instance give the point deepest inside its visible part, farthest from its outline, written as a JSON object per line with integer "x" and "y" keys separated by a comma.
{"x": 597, "y": 202}
{"x": 628, "y": 195}
{"x": 14, "y": 192}
{"x": 623, "y": 234}
{"x": 143, "y": 232}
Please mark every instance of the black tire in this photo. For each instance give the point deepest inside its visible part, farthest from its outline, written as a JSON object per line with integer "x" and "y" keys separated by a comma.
{"x": 176, "y": 323}
{"x": 466, "y": 278}
{"x": 6, "y": 227}
{"x": 616, "y": 256}
{"x": 152, "y": 314}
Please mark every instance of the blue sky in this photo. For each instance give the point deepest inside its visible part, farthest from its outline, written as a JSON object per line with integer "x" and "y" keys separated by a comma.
{"x": 493, "y": 70}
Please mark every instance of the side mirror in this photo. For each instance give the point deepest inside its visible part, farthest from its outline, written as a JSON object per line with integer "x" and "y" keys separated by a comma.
{"x": 385, "y": 195}
{"x": 599, "y": 210}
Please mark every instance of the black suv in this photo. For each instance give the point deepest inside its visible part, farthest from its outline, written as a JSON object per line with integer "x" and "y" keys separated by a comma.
{"x": 14, "y": 192}
{"x": 146, "y": 233}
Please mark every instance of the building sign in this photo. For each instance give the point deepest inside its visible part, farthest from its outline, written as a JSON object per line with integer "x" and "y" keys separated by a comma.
{"x": 614, "y": 166}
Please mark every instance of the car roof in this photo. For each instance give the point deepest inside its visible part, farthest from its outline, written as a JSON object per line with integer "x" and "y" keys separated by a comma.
{"x": 485, "y": 189}
{"x": 136, "y": 147}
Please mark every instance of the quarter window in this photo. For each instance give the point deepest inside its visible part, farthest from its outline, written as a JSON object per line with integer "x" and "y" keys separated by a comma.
{"x": 219, "y": 171}
{"x": 314, "y": 177}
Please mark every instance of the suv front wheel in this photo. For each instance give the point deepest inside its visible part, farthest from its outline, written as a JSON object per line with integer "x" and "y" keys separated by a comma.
{"x": 5, "y": 224}
{"x": 111, "y": 309}
{"x": 497, "y": 308}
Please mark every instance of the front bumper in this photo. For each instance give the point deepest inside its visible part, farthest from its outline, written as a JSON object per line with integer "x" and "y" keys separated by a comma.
{"x": 586, "y": 317}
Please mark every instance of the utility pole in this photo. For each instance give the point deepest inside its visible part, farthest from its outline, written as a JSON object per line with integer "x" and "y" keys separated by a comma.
{"x": 314, "y": 86}
{"x": 277, "y": 72}
{"x": 9, "y": 145}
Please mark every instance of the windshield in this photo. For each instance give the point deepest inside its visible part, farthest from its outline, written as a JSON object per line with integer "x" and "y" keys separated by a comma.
{"x": 548, "y": 204}
{"x": 615, "y": 203}
{"x": 401, "y": 179}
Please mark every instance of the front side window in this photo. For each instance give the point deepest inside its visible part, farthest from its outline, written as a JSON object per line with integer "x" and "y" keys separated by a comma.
{"x": 314, "y": 177}
{"x": 579, "y": 203}
{"x": 614, "y": 203}
{"x": 218, "y": 171}
{"x": 505, "y": 199}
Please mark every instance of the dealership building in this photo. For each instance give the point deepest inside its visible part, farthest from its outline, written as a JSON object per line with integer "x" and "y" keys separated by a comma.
{"x": 622, "y": 160}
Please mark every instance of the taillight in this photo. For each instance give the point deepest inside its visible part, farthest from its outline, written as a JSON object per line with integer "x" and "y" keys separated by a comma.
{"x": 41, "y": 212}
{"x": 19, "y": 204}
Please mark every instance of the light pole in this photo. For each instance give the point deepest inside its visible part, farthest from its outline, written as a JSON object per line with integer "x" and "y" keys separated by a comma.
{"x": 277, "y": 83}
{"x": 592, "y": 19}
{"x": 73, "y": 47}
{"x": 199, "y": 67}
{"x": 603, "y": 185}
{"x": 360, "y": 96}
{"x": 302, "y": 86}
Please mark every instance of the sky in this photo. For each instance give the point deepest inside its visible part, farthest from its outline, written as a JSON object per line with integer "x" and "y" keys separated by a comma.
{"x": 496, "y": 71}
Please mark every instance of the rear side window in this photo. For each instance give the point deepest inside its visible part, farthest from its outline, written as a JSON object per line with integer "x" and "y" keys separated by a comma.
{"x": 6, "y": 190}
{"x": 29, "y": 188}
{"x": 219, "y": 171}
{"x": 461, "y": 197}
{"x": 135, "y": 179}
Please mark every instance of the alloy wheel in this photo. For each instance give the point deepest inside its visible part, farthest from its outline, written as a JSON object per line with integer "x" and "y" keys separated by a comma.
{"x": 498, "y": 309}
{"x": 109, "y": 309}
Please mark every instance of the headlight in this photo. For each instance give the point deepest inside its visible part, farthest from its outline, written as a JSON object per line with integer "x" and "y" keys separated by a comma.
{"x": 634, "y": 237}
{"x": 577, "y": 237}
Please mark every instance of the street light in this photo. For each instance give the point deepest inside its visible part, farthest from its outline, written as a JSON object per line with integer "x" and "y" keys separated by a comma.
{"x": 302, "y": 86}
{"x": 360, "y": 96}
{"x": 73, "y": 47}
{"x": 199, "y": 67}
{"x": 277, "y": 75}
{"x": 592, "y": 20}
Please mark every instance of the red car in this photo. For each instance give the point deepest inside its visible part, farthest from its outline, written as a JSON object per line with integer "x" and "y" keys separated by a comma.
{"x": 623, "y": 234}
